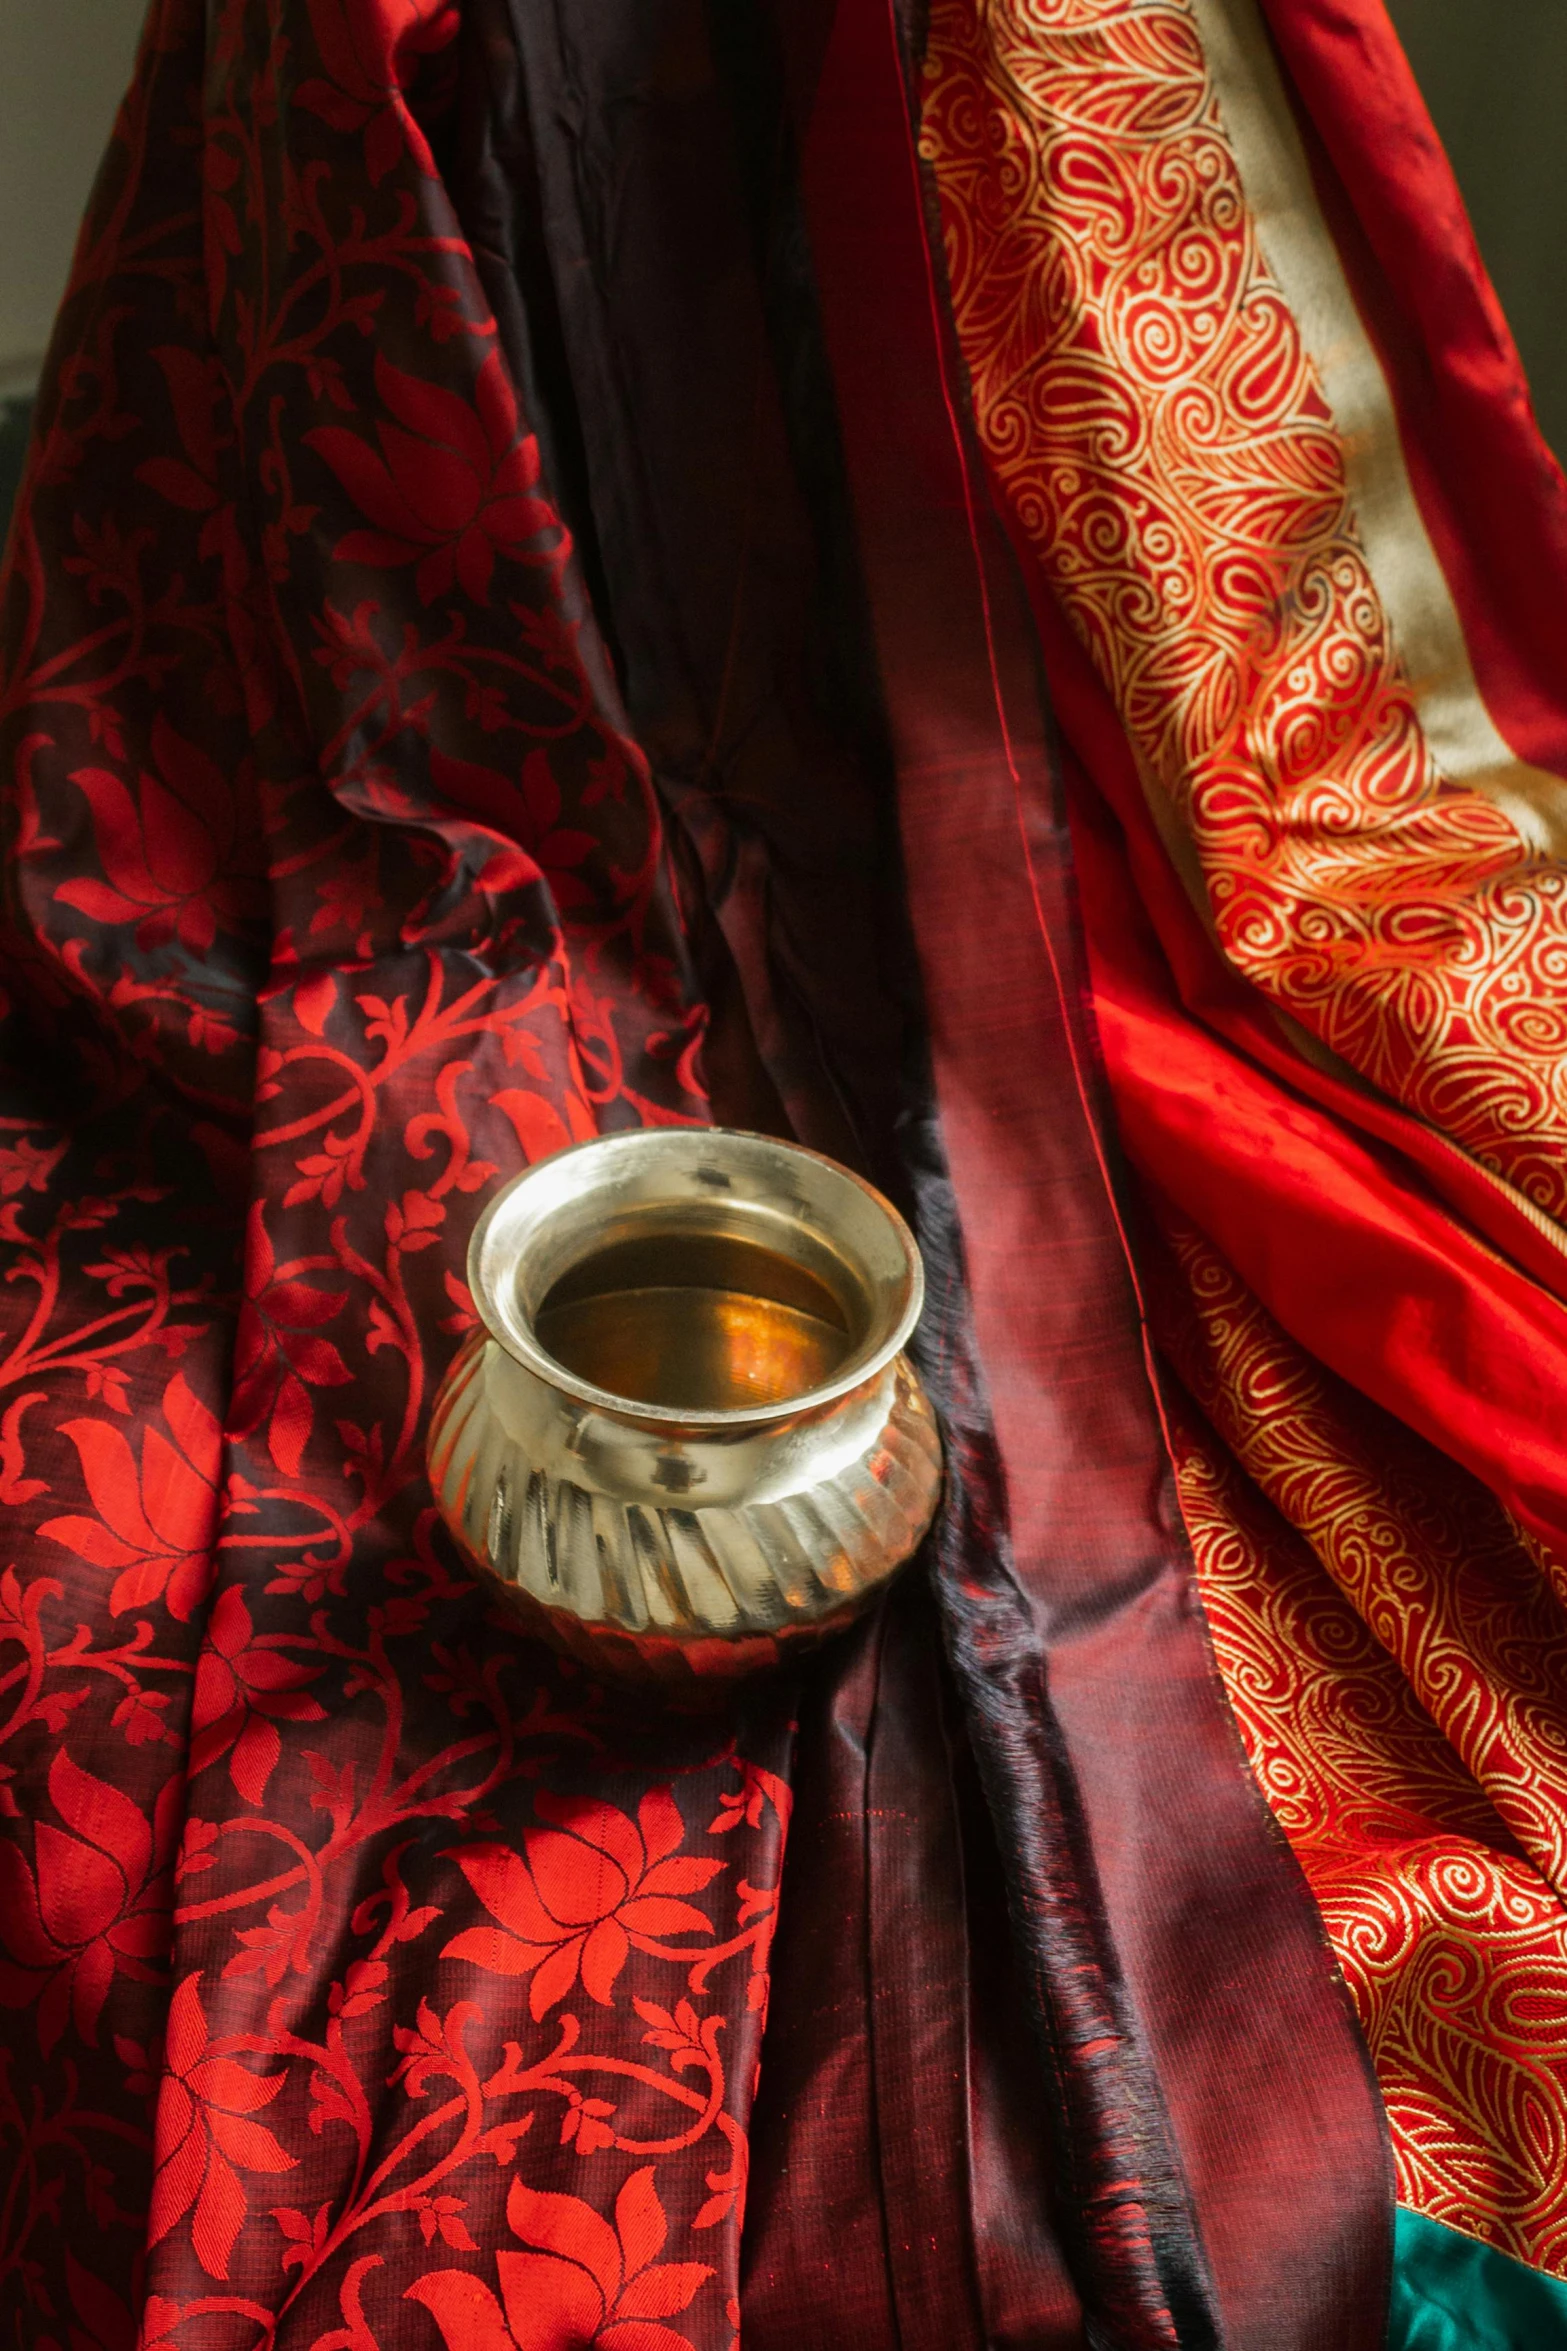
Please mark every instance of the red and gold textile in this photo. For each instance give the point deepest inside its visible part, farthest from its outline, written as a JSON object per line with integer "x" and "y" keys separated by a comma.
{"x": 1185, "y": 414}
{"x": 1395, "y": 1656}
{"x": 1227, "y": 333}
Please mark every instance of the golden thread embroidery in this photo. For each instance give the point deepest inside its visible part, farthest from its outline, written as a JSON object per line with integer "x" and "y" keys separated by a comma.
{"x": 1347, "y": 1570}
{"x": 1150, "y": 410}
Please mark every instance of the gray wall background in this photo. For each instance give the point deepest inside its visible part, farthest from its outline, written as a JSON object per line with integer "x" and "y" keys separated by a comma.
{"x": 63, "y": 67}
{"x": 1494, "y": 74}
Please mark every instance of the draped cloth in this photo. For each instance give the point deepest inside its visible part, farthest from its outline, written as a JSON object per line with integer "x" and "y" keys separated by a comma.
{"x": 1256, "y": 419}
{"x": 970, "y": 591}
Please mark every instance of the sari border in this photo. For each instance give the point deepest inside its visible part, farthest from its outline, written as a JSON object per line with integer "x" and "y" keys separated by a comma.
{"x": 1096, "y": 1707}
{"x": 1464, "y": 742}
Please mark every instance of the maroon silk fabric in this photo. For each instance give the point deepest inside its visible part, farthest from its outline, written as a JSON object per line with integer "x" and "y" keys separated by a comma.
{"x": 1082, "y": 1652}
{"x": 372, "y": 1978}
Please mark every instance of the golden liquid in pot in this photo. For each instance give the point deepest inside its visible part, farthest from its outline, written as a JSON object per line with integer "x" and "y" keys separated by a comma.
{"x": 729, "y": 1325}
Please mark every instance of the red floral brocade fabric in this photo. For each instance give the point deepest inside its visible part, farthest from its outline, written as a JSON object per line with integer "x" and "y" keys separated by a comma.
{"x": 342, "y": 1934}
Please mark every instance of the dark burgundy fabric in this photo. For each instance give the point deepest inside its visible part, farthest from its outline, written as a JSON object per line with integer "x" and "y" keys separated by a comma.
{"x": 745, "y": 659}
{"x": 860, "y": 2225}
{"x": 1099, "y": 1723}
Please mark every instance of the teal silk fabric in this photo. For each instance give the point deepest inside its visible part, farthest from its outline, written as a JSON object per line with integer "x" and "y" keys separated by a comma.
{"x": 1451, "y": 2293}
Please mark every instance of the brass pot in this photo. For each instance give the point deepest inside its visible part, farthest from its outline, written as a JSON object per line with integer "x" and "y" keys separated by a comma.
{"x": 686, "y": 1441}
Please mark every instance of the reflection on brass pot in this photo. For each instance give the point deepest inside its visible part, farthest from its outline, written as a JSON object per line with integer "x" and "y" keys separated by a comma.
{"x": 686, "y": 1441}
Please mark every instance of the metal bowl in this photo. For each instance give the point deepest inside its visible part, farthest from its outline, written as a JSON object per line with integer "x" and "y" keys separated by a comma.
{"x": 686, "y": 1442}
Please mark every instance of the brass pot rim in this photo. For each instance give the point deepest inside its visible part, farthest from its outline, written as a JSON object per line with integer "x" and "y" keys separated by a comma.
{"x": 544, "y": 1192}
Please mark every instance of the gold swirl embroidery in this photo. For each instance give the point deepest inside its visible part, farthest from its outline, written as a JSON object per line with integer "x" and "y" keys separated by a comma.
{"x": 1152, "y": 414}
{"x": 1347, "y": 1573}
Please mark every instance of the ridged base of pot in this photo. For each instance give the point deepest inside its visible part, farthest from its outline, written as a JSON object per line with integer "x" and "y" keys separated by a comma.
{"x": 680, "y": 1595}
{"x": 683, "y": 1674}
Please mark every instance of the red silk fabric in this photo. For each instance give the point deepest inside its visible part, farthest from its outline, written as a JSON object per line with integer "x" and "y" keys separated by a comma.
{"x": 1370, "y": 1329}
{"x": 336, "y": 889}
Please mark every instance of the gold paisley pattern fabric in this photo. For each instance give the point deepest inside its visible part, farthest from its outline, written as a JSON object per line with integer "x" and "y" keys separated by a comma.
{"x": 1151, "y": 412}
{"x": 1397, "y": 1662}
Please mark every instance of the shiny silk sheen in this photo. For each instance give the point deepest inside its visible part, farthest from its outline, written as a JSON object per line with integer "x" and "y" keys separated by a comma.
{"x": 1085, "y": 1670}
